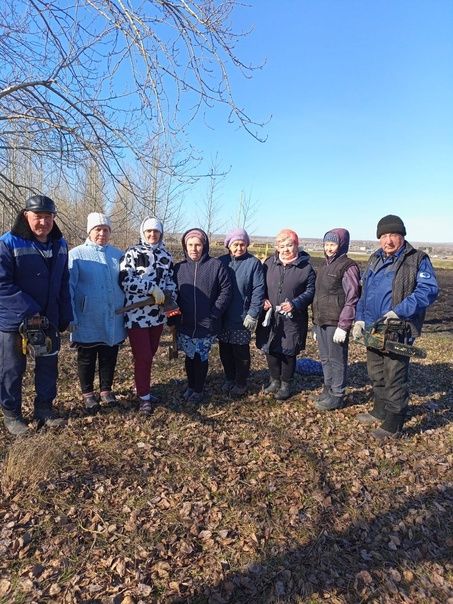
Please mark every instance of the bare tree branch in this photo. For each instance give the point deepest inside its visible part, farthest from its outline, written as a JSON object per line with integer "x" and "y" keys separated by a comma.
{"x": 97, "y": 80}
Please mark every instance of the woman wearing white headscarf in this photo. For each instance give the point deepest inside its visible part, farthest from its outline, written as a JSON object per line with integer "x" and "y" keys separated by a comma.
{"x": 146, "y": 270}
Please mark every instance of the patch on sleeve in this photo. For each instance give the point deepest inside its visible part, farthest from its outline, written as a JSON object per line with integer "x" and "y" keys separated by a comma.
{"x": 424, "y": 275}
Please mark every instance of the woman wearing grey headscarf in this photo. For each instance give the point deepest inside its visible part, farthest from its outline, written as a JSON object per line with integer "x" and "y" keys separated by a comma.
{"x": 146, "y": 270}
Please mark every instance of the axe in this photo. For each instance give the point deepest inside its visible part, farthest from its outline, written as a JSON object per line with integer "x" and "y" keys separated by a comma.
{"x": 171, "y": 309}
{"x": 173, "y": 347}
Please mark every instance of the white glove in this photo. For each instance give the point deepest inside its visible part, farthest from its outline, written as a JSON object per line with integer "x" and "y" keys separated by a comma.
{"x": 250, "y": 323}
{"x": 358, "y": 330}
{"x": 267, "y": 318}
{"x": 390, "y": 315}
{"x": 339, "y": 336}
{"x": 158, "y": 295}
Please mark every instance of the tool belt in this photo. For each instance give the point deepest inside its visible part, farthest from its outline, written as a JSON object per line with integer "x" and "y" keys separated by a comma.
{"x": 391, "y": 336}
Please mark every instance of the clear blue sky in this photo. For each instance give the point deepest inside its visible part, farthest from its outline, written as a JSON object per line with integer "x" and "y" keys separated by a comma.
{"x": 361, "y": 98}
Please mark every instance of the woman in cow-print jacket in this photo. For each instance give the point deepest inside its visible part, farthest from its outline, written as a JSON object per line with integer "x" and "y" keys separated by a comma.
{"x": 146, "y": 270}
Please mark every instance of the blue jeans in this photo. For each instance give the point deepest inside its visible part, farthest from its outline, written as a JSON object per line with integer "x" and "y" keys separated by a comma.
{"x": 334, "y": 359}
{"x": 12, "y": 368}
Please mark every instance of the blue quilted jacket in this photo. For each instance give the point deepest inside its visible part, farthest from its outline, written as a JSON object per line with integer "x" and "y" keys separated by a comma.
{"x": 33, "y": 279}
{"x": 96, "y": 294}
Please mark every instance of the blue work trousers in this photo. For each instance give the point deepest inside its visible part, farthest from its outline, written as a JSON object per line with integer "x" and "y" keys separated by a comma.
{"x": 12, "y": 368}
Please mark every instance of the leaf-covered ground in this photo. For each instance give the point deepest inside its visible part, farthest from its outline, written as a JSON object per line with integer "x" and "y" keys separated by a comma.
{"x": 236, "y": 500}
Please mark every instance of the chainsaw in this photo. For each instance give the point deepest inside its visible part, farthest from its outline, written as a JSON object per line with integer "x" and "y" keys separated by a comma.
{"x": 36, "y": 341}
{"x": 390, "y": 336}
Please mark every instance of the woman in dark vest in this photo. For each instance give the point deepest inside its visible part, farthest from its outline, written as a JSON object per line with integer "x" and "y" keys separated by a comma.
{"x": 290, "y": 287}
{"x": 336, "y": 297}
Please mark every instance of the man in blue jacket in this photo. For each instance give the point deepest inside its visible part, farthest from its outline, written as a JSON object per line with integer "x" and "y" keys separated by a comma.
{"x": 34, "y": 281}
{"x": 399, "y": 283}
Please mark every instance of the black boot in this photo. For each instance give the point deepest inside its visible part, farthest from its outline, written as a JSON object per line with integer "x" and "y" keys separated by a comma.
{"x": 48, "y": 416}
{"x": 376, "y": 415}
{"x": 390, "y": 428}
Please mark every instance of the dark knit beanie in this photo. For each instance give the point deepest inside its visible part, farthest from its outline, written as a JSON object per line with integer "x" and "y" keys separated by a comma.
{"x": 332, "y": 236}
{"x": 390, "y": 224}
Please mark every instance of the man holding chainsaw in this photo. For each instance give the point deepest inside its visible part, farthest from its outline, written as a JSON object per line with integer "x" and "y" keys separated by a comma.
{"x": 34, "y": 307}
{"x": 398, "y": 285}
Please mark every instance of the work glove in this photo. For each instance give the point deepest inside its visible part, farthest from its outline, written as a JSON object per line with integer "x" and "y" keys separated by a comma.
{"x": 250, "y": 323}
{"x": 358, "y": 329}
{"x": 71, "y": 327}
{"x": 286, "y": 314}
{"x": 390, "y": 315}
{"x": 339, "y": 336}
{"x": 158, "y": 295}
{"x": 268, "y": 317}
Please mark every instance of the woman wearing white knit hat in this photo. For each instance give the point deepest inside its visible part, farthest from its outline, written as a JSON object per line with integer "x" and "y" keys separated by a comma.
{"x": 97, "y": 331}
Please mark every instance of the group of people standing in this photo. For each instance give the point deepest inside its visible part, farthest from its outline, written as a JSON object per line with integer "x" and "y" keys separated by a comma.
{"x": 103, "y": 295}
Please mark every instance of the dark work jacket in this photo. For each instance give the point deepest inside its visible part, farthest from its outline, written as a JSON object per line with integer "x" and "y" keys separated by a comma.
{"x": 204, "y": 292}
{"x": 31, "y": 283}
{"x": 247, "y": 278}
{"x": 294, "y": 282}
{"x": 330, "y": 296}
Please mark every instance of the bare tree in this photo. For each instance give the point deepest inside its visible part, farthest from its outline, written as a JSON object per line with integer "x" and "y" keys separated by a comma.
{"x": 209, "y": 214}
{"x": 125, "y": 223}
{"x": 99, "y": 79}
{"x": 247, "y": 210}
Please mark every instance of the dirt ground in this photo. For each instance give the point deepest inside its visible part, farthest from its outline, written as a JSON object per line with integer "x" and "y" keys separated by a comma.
{"x": 439, "y": 318}
{"x": 245, "y": 501}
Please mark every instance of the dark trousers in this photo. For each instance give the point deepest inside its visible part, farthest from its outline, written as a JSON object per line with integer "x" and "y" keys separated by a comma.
{"x": 334, "y": 359}
{"x": 389, "y": 375}
{"x": 144, "y": 343}
{"x": 196, "y": 371}
{"x": 12, "y": 368}
{"x": 236, "y": 362}
{"x": 106, "y": 357}
{"x": 281, "y": 366}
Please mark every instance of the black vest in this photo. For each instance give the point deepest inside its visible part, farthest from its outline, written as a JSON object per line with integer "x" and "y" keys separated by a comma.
{"x": 405, "y": 281}
{"x": 329, "y": 295}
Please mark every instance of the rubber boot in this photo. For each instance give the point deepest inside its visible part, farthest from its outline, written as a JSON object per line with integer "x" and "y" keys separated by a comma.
{"x": 390, "y": 428}
{"x": 272, "y": 387}
{"x": 284, "y": 392}
{"x": 376, "y": 415}
{"x": 330, "y": 403}
{"x": 14, "y": 423}
{"x": 324, "y": 394}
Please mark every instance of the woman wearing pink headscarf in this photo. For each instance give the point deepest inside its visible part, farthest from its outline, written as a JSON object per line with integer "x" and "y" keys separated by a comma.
{"x": 290, "y": 288}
